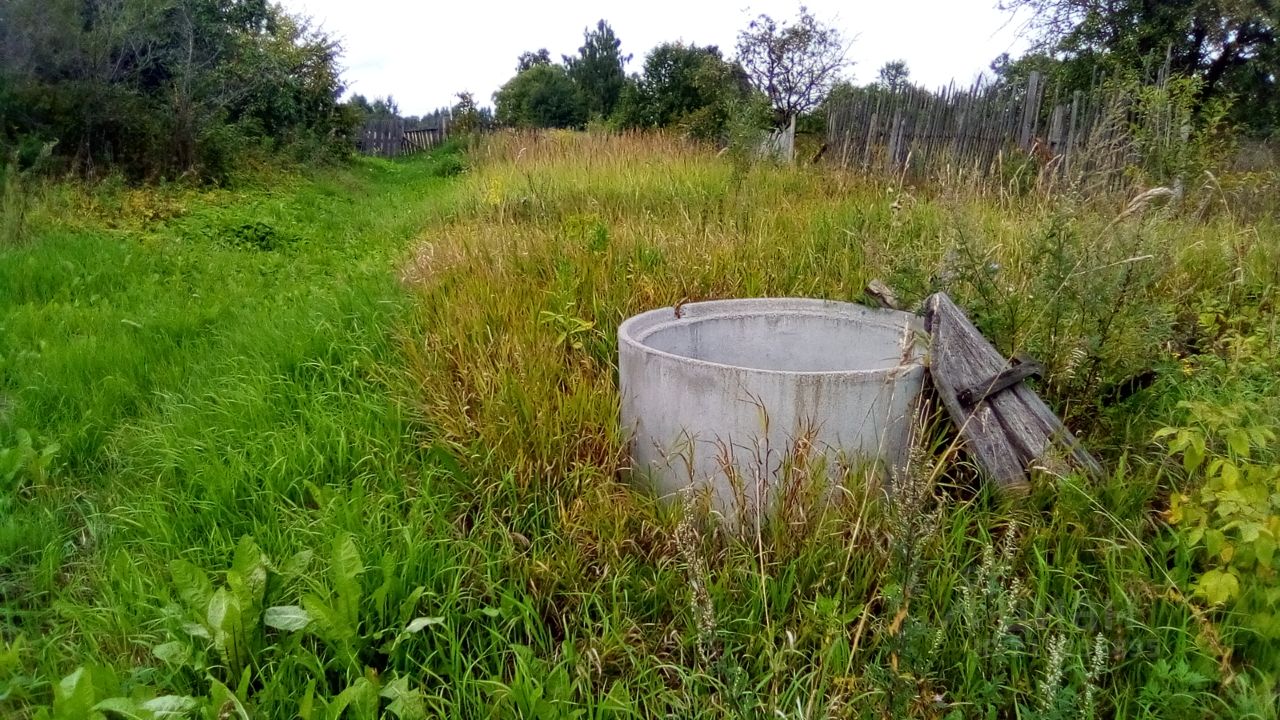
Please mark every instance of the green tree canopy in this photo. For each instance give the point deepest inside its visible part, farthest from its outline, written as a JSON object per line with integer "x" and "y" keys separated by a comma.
{"x": 360, "y": 103}
{"x": 541, "y": 97}
{"x": 529, "y": 59}
{"x": 683, "y": 85}
{"x": 163, "y": 86}
{"x": 1230, "y": 45}
{"x": 385, "y": 107}
{"x": 467, "y": 116}
{"x": 894, "y": 75}
{"x": 598, "y": 69}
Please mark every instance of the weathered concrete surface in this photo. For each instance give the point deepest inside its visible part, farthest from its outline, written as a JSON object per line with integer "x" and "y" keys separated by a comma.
{"x": 729, "y": 386}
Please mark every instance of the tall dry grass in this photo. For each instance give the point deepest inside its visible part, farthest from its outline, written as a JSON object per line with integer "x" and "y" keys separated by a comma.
{"x": 560, "y": 236}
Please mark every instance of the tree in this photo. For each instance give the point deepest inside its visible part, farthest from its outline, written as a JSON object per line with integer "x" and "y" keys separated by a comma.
{"x": 542, "y": 96}
{"x": 385, "y": 107}
{"x": 795, "y": 64}
{"x": 684, "y": 85}
{"x": 1075, "y": 73}
{"x": 360, "y": 103}
{"x": 529, "y": 59}
{"x": 841, "y": 93}
{"x": 894, "y": 75}
{"x": 466, "y": 114}
{"x": 158, "y": 88}
{"x": 1230, "y": 45}
{"x": 598, "y": 69}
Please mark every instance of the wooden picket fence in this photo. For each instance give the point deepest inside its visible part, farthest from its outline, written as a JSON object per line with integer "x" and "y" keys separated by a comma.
{"x": 391, "y": 137}
{"x": 980, "y": 130}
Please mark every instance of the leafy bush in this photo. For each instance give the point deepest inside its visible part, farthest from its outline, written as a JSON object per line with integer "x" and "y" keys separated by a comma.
{"x": 1176, "y": 136}
{"x": 687, "y": 87}
{"x": 1234, "y": 515}
{"x": 449, "y": 165}
{"x": 1228, "y": 510}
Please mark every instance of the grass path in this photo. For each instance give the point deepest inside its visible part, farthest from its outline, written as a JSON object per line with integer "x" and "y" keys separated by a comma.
{"x": 202, "y": 376}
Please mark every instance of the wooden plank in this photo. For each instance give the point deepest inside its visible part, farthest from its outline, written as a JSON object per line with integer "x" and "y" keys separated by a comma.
{"x": 1072, "y": 134}
{"x": 1005, "y": 379}
{"x": 1029, "y": 111}
{"x": 1007, "y": 433}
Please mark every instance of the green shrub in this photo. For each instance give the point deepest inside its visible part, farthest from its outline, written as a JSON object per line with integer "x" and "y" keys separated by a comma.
{"x": 449, "y": 165}
{"x": 542, "y": 96}
{"x": 1176, "y": 137}
{"x": 163, "y": 91}
{"x": 257, "y": 235}
{"x": 1228, "y": 509}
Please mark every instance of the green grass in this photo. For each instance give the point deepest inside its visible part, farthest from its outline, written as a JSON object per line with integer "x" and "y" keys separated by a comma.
{"x": 200, "y": 389}
{"x": 402, "y": 388}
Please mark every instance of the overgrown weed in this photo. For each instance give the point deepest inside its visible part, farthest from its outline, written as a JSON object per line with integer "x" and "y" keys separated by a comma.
{"x": 1100, "y": 295}
{"x": 432, "y": 474}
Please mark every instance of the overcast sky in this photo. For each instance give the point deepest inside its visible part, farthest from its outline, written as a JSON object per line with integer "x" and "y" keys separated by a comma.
{"x": 424, "y": 52}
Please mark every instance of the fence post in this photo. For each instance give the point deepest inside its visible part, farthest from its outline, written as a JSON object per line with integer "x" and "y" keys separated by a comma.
{"x": 1030, "y": 110}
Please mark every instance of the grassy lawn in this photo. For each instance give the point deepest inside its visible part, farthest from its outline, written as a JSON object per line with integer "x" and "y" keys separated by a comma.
{"x": 345, "y": 444}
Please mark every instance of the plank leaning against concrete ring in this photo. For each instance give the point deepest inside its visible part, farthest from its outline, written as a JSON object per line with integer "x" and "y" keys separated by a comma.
{"x": 1007, "y": 432}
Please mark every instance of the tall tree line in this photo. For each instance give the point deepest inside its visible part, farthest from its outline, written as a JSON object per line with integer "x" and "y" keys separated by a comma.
{"x": 586, "y": 85}
{"x": 788, "y": 65}
{"x": 164, "y": 87}
{"x": 1229, "y": 48}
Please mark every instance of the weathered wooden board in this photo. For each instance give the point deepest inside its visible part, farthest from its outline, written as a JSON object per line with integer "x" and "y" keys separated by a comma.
{"x": 1006, "y": 427}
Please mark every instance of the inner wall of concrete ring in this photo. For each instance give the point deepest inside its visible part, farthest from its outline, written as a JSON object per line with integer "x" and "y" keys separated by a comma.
{"x": 740, "y": 382}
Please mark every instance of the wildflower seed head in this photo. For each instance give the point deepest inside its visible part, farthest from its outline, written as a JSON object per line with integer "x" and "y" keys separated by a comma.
{"x": 1053, "y": 672}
